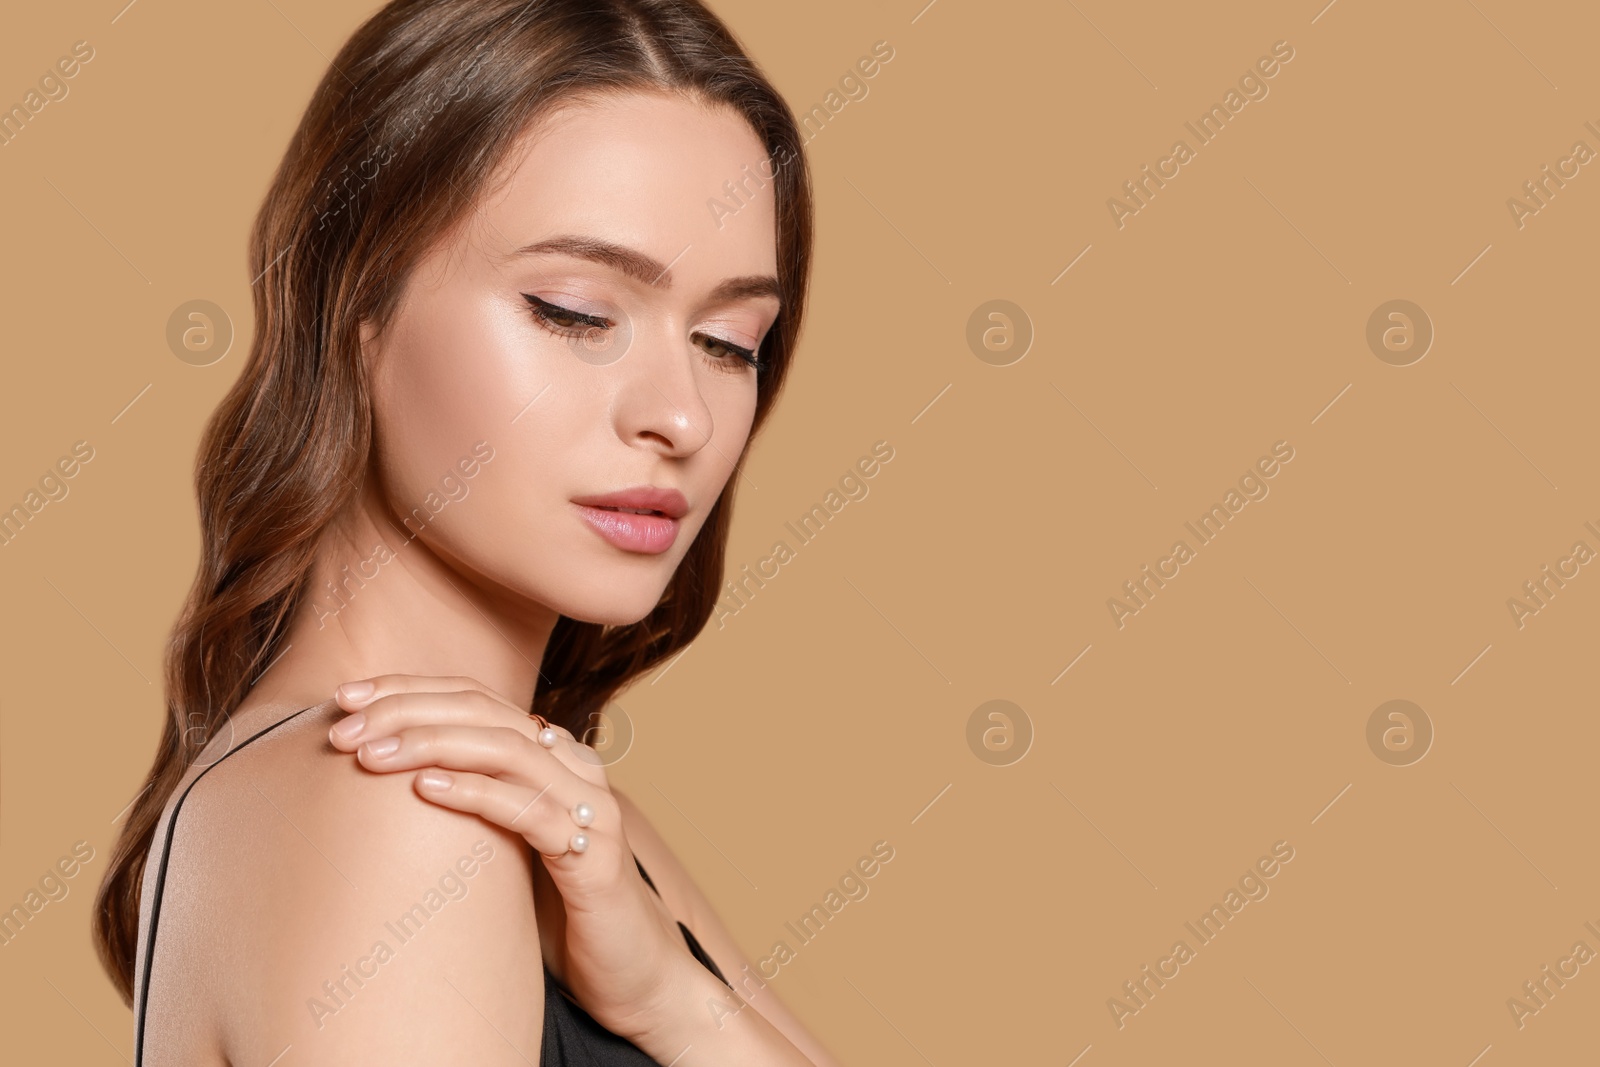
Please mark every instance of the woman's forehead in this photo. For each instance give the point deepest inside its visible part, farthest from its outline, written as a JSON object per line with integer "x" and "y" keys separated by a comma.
{"x": 644, "y": 170}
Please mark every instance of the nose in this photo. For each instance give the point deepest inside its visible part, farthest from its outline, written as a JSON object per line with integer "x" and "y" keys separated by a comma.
{"x": 658, "y": 402}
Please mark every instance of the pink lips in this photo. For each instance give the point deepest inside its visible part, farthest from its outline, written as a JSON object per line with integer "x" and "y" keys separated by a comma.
{"x": 629, "y": 530}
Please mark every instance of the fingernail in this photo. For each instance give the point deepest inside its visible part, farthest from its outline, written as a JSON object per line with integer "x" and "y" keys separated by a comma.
{"x": 356, "y": 692}
{"x": 386, "y": 746}
{"x": 350, "y": 728}
{"x": 435, "y": 779}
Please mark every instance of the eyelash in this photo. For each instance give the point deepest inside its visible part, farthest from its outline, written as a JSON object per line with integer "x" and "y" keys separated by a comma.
{"x": 545, "y": 314}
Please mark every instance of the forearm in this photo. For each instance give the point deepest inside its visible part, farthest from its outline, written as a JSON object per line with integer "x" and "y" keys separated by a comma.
{"x": 710, "y": 1025}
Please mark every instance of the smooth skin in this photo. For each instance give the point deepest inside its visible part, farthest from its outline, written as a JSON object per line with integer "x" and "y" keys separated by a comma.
{"x": 290, "y": 858}
{"x": 618, "y": 948}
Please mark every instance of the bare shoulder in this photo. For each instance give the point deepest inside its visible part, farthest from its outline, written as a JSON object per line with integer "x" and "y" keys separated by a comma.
{"x": 688, "y": 902}
{"x": 309, "y": 902}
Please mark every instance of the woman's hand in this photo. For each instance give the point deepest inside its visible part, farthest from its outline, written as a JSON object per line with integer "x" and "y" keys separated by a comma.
{"x": 620, "y": 952}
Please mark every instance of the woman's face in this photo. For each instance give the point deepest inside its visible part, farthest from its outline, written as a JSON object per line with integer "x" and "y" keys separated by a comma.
{"x": 580, "y": 334}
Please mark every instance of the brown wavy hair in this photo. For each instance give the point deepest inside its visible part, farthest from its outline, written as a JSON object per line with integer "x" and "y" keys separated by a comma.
{"x": 400, "y": 138}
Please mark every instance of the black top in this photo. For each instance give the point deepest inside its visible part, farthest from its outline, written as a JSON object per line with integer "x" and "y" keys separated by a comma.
{"x": 571, "y": 1038}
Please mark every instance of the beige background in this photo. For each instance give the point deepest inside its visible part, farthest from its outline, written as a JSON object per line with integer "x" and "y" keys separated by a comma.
{"x": 833, "y": 711}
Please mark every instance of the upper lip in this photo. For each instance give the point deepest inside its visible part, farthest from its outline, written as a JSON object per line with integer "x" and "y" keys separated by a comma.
{"x": 669, "y": 502}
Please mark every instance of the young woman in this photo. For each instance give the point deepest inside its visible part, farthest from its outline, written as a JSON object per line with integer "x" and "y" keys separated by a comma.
{"x": 527, "y": 280}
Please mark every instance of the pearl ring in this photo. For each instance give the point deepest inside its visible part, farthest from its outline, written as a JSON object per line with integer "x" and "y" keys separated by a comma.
{"x": 547, "y": 735}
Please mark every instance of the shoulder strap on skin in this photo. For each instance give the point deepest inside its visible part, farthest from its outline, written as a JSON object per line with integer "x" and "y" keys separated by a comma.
{"x": 695, "y": 948}
{"x": 645, "y": 875}
{"x": 147, "y": 948}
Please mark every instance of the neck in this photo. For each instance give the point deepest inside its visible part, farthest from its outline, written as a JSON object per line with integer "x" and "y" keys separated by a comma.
{"x": 383, "y": 600}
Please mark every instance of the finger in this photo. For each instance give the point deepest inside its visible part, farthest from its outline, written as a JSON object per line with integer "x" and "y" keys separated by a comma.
{"x": 547, "y": 819}
{"x": 387, "y": 716}
{"x": 358, "y": 693}
{"x": 505, "y": 752}
{"x": 414, "y": 693}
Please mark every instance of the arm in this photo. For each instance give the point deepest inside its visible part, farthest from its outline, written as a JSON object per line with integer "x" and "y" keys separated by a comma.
{"x": 685, "y": 899}
{"x": 365, "y": 925}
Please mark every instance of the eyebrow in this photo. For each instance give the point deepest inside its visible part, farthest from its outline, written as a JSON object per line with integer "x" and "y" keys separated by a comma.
{"x": 642, "y": 267}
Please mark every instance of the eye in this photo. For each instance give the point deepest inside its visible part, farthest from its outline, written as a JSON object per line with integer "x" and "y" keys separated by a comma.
{"x": 564, "y": 322}
{"x": 744, "y": 355}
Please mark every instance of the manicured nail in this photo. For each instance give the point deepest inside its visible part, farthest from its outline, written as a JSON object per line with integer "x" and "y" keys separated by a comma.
{"x": 384, "y": 746}
{"x": 355, "y": 692}
{"x": 435, "y": 779}
{"x": 350, "y": 728}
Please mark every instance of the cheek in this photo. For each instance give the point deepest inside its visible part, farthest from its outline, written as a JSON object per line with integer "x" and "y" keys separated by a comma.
{"x": 450, "y": 378}
{"x": 743, "y": 407}
{"x": 466, "y": 365}
{"x": 733, "y": 410}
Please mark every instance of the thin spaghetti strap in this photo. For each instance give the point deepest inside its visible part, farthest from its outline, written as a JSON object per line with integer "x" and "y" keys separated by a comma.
{"x": 695, "y": 948}
{"x": 161, "y": 878}
{"x": 645, "y": 875}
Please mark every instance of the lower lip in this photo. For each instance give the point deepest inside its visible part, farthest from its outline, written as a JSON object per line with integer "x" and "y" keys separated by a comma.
{"x": 630, "y": 532}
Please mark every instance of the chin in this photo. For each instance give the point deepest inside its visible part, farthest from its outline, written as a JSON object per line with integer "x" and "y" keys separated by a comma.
{"x": 620, "y": 601}
{"x": 609, "y": 614}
